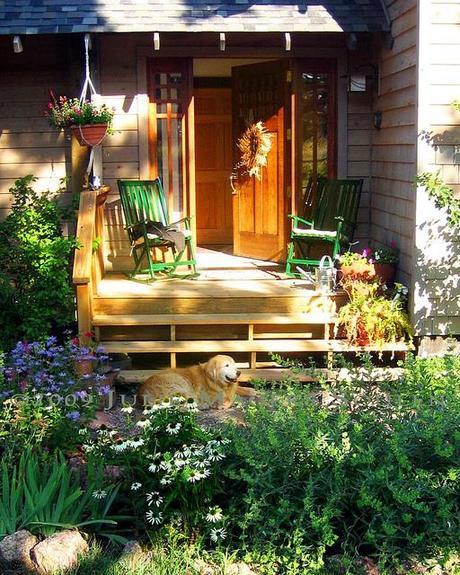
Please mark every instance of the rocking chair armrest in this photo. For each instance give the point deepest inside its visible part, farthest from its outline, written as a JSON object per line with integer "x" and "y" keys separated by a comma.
{"x": 185, "y": 220}
{"x": 298, "y": 219}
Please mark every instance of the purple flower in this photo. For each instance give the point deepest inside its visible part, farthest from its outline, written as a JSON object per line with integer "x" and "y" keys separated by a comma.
{"x": 367, "y": 252}
{"x": 73, "y": 415}
{"x": 82, "y": 394}
{"x": 104, "y": 390}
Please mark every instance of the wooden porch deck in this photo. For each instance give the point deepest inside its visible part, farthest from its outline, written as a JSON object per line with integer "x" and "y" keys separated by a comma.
{"x": 237, "y": 305}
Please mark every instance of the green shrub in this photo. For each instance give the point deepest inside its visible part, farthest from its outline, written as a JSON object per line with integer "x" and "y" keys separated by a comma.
{"x": 376, "y": 471}
{"x": 36, "y": 295}
{"x": 170, "y": 468}
{"x": 44, "y": 495}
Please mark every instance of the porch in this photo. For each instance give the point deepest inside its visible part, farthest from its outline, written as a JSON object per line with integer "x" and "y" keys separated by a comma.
{"x": 238, "y": 305}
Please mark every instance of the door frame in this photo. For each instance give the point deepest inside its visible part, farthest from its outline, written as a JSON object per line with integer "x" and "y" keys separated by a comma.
{"x": 292, "y": 141}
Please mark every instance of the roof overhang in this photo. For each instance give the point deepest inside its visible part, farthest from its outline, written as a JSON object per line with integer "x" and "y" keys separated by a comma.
{"x": 94, "y": 16}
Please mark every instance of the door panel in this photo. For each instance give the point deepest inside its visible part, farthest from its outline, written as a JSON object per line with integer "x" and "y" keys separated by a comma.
{"x": 213, "y": 161}
{"x": 260, "y": 93}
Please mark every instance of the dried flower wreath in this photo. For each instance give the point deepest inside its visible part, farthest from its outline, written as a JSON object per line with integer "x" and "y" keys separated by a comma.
{"x": 254, "y": 146}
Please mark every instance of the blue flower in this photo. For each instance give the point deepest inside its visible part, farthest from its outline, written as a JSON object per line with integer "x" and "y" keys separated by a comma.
{"x": 73, "y": 415}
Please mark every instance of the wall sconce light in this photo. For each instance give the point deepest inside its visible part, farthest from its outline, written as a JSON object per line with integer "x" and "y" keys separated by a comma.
{"x": 17, "y": 45}
{"x": 156, "y": 41}
{"x": 287, "y": 41}
{"x": 222, "y": 41}
{"x": 351, "y": 41}
{"x": 377, "y": 120}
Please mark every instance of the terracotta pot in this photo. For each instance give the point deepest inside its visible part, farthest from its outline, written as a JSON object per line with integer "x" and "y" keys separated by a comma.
{"x": 386, "y": 272}
{"x": 102, "y": 194}
{"x": 89, "y": 134}
{"x": 84, "y": 367}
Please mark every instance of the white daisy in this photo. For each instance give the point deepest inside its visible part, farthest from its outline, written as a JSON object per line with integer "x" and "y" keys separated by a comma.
{"x": 143, "y": 423}
{"x": 154, "y": 518}
{"x": 195, "y": 476}
{"x": 135, "y": 443}
{"x": 128, "y": 409}
{"x": 173, "y": 429}
{"x": 100, "y": 494}
{"x": 153, "y": 468}
{"x": 154, "y": 498}
{"x": 215, "y": 456}
{"x": 119, "y": 446}
{"x": 217, "y": 534}
{"x": 214, "y": 514}
{"x": 167, "y": 480}
{"x": 135, "y": 486}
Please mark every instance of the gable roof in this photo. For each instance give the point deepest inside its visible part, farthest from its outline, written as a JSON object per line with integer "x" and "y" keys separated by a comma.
{"x": 56, "y": 16}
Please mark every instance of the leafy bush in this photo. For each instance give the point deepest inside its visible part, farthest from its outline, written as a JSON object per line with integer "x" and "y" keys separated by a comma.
{"x": 43, "y": 398}
{"x": 169, "y": 465}
{"x": 36, "y": 295}
{"x": 45, "y": 496}
{"x": 370, "y": 317}
{"x": 375, "y": 471}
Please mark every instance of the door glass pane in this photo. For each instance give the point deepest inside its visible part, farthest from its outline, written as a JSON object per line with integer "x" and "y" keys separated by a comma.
{"x": 315, "y": 92}
{"x": 168, "y": 91}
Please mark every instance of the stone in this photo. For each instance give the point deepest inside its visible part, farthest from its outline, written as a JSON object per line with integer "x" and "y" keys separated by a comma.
{"x": 240, "y": 569}
{"x": 58, "y": 552}
{"x": 133, "y": 555}
{"x": 204, "y": 568}
{"x": 15, "y": 551}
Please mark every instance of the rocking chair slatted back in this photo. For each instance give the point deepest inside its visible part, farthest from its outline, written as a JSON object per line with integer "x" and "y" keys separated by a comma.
{"x": 334, "y": 198}
{"x": 143, "y": 201}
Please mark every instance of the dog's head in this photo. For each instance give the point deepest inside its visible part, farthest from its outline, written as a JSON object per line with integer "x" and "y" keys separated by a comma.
{"x": 222, "y": 369}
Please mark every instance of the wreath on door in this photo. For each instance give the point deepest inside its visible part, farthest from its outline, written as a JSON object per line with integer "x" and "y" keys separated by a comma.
{"x": 254, "y": 145}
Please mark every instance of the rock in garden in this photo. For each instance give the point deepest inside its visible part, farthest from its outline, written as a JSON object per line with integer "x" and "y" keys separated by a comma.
{"x": 240, "y": 569}
{"x": 58, "y": 552}
{"x": 133, "y": 555}
{"x": 15, "y": 550}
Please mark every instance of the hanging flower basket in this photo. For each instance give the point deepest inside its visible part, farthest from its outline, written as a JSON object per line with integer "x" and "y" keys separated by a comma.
{"x": 89, "y": 134}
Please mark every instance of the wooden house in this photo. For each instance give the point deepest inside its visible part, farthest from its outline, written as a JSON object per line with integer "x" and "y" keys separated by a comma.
{"x": 344, "y": 87}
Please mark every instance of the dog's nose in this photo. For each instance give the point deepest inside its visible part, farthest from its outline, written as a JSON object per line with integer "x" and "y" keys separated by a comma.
{"x": 238, "y": 373}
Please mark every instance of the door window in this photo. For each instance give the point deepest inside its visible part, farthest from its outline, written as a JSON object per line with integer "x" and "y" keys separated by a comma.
{"x": 317, "y": 119}
{"x": 169, "y": 98}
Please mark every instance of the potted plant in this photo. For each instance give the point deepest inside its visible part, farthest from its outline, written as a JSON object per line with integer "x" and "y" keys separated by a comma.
{"x": 355, "y": 266}
{"x": 385, "y": 260}
{"x": 88, "y": 121}
{"x": 371, "y": 317}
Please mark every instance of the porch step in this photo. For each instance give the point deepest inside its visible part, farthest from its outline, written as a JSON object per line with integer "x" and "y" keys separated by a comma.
{"x": 104, "y": 320}
{"x": 259, "y": 345}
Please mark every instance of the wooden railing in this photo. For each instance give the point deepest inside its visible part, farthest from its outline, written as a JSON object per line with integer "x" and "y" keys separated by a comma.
{"x": 88, "y": 262}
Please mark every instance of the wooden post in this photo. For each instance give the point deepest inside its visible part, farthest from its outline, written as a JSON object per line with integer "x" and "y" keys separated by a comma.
{"x": 79, "y": 163}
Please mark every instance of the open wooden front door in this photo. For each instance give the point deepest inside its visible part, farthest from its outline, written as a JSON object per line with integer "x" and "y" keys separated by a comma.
{"x": 260, "y": 93}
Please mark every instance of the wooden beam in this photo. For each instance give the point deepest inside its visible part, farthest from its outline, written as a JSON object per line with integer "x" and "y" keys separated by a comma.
{"x": 215, "y": 319}
{"x": 273, "y": 345}
{"x": 79, "y": 161}
{"x": 85, "y": 235}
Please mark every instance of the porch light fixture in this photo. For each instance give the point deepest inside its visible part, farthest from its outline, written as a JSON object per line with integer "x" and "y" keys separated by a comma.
{"x": 222, "y": 41}
{"x": 287, "y": 41}
{"x": 156, "y": 41}
{"x": 17, "y": 45}
{"x": 351, "y": 41}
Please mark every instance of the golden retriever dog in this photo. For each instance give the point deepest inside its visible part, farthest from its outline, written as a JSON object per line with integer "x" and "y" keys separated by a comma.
{"x": 210, "y": 384}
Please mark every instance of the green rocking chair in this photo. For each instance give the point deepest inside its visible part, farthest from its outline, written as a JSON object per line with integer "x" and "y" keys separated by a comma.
{"x": 147, "y": 223}
{"x": 334, "y": 211}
